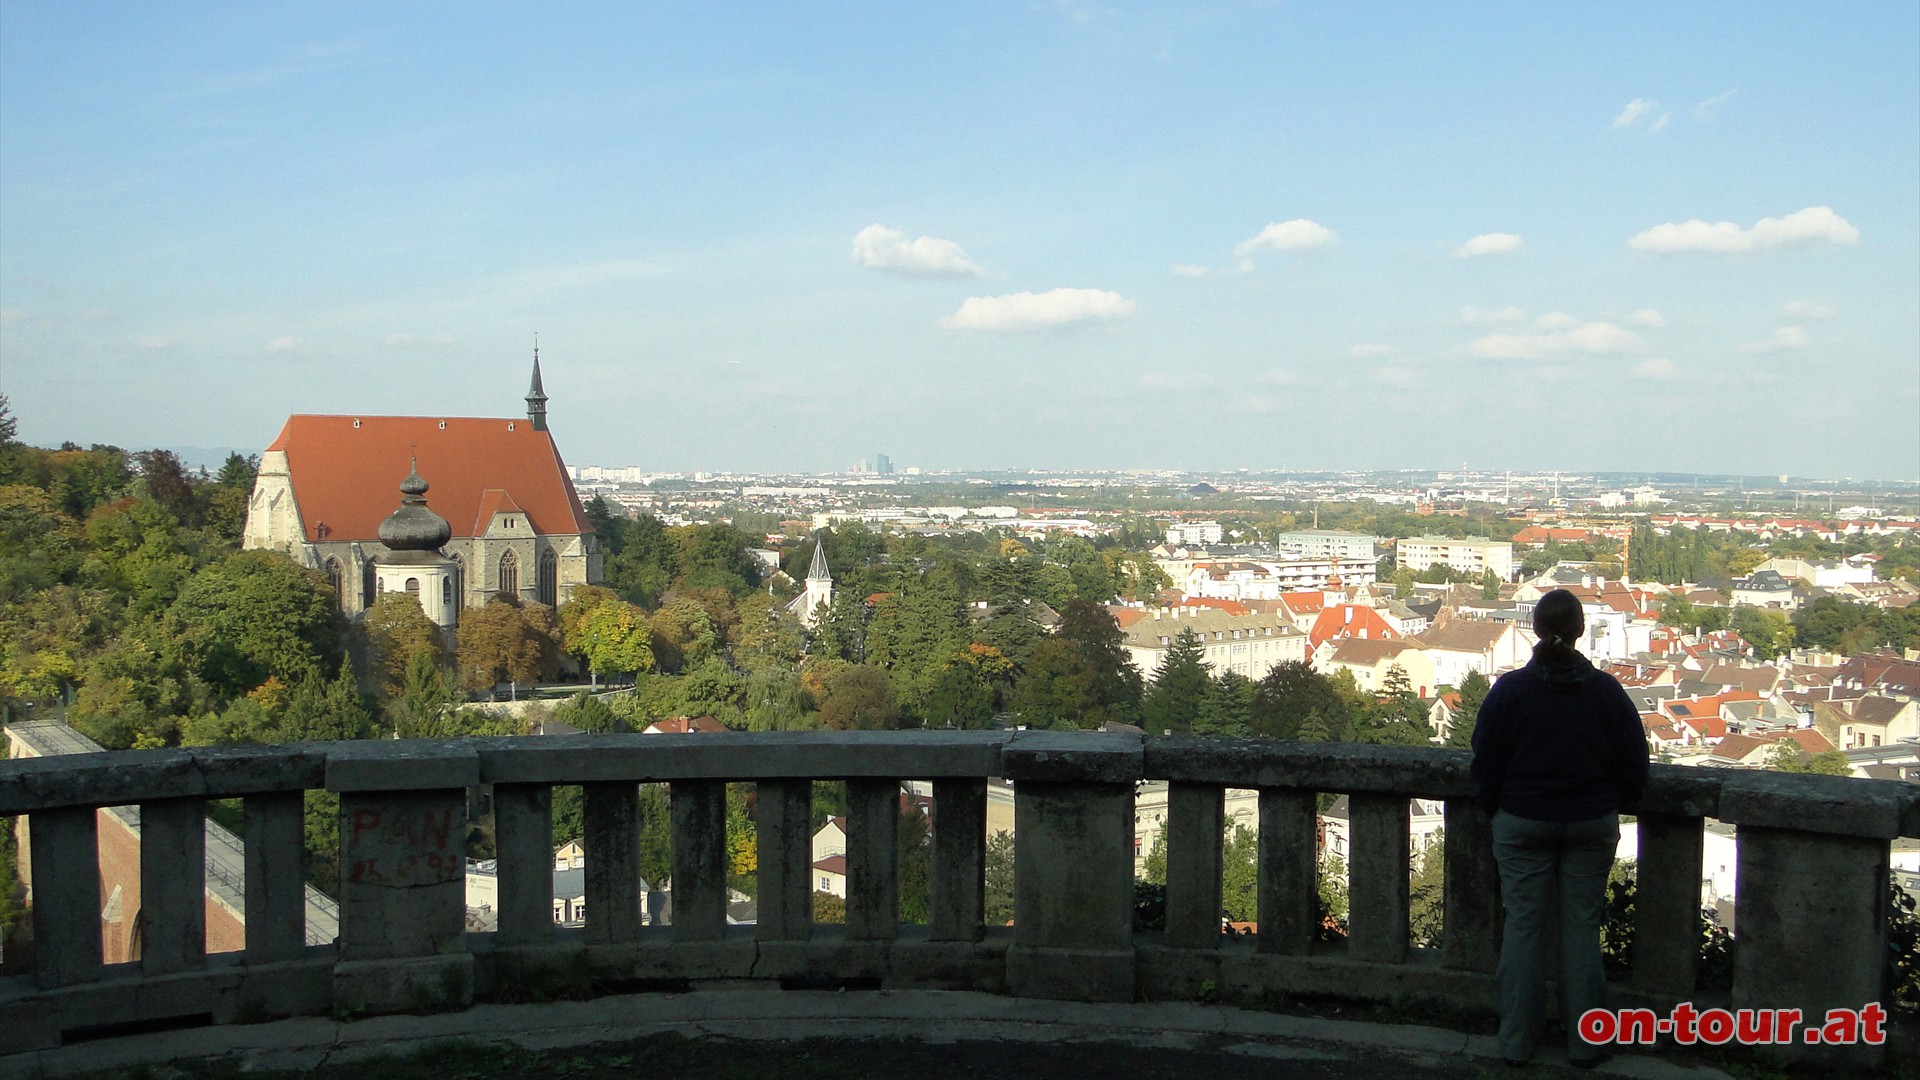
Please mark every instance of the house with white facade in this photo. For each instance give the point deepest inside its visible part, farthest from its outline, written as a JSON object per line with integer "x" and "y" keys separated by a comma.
{"x": 1459, "y": 646}
{"x": 1251, "y": 644}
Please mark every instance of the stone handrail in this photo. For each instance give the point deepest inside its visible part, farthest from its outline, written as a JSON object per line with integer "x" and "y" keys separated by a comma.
{"x": 1813, "y": 857}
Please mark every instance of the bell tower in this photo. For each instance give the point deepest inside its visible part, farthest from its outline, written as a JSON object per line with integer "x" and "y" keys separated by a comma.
{"x": 536, "y": 396}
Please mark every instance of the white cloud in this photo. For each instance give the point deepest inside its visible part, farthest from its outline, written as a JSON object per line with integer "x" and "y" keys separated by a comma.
{"x": 1814, "y": 225}
{"x": 1588, "y": 339}
{"x": 881, "y": 248}
{"x": 286, "y": 344}
{"x": 1493, "y": 243}
{"x": 1372, "y": 351}
{"x": 1399, "y": 376}
{"x": 1809, "y": 309}
{"x": 1704, "y": 110}
{"x": 1188, "y": 270}
{"x": 1472, "y": 315}
{"x": 1661, "y": 123}
{"x": 1647, "y": 316}
{"x": 1784, "y": 337}
{"x": 1296, "y": 235}
{"x": 1556, "y": 320}
{"x": 1635, "y": 109}
{"x": 1031, "y": 311}
{"x": 1656, "y": 368}
{"x": 153, "y": 341}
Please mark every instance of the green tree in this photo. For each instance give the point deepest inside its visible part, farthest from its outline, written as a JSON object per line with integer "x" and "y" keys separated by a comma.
{"x": 588, "y": 713}
{"x": 1227, "y": 707}
{"x": 1240, "y": 874}
{"x": 1769, "y": 632}
{"x": 261, "y": 616}
{"x": 615, "y": 638}
{"x": 1473, "y": 691}
{"x": 1426, "y": 895}
{"x": 1173, "y": 700}
{"x": 999, "y": 879}
{"x": 1154, "y": 871}
{"x": 1293, "y": 701}
{"x": 427, "y": 701}
{"x": 1787, "y": 756}
{"x": 859, "y": 697}
{"x": 398, "y": 633}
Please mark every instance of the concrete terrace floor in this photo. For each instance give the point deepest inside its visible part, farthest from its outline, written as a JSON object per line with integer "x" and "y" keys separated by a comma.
{"x": 819, "y": 1035}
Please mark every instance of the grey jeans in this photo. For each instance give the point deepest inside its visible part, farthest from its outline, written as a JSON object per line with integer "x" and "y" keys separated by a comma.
{"x": 1540, "y": 860}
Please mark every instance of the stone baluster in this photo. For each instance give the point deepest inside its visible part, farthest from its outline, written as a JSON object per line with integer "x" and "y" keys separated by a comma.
{"x": 959, "y": 859}
{"x": 1194, "y": 816}
{"x": 1470, "y": 938}
{"x": 1288, "y": 872}
{"x": 1666, "y": 903}
{"x": 1073, "y": 892}
{"x": 783, "y": 833}
{"x": 699, "y": 811}
{"x": 873, "y": 870}
{"x": 65, "y": 860}
{"x": 1812, "y": 903}
{"x": 523, "y": 841}
{"x": 611, "y": 817}
{"x": 276, "y": 876}
{"x": 403, "y": 882}
{"x": 173, "y": 886}
{"x": 1377, "y": 876}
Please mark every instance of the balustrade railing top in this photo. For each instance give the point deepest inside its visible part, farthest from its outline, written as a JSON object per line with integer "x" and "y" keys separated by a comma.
{"x": 1813, "y": 855}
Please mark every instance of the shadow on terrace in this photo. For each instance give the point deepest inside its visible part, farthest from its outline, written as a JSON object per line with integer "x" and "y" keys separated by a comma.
{"x": 1812, "y": 869}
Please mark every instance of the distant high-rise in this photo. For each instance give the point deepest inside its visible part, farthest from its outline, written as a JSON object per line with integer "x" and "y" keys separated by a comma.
{"x": 883, "y": 464}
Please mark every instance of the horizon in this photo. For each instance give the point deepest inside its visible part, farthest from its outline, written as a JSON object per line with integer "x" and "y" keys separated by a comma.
{"x": 775, "y": 241}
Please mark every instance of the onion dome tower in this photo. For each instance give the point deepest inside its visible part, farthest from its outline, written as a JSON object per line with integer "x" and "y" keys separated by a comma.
{"x": 413, "y": 536}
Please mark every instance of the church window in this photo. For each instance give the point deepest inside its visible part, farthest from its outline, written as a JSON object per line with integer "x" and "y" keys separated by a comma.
{"x": 369, "y": 585}
{"x": 413, "y": 588}
{"x": 549, "y": 577}
{"x": 459, "y": 584}
{"x": 446, "y": 590}
{"x": 510, "y": 574}
{"x": 336, "y": 580}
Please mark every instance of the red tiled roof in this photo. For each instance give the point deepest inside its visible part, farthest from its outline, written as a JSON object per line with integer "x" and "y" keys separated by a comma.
{"x": 833, "y": 864}
{"x": 682, "y": 725}
{"x": 347, "y": 470}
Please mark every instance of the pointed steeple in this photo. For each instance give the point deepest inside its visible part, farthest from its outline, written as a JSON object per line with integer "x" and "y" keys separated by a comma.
{"x": 536, "y": 396}
{"x": 818, "y": 571}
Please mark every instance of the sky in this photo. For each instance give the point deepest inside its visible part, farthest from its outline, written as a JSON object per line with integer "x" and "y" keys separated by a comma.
{"x": 785, "y": 237}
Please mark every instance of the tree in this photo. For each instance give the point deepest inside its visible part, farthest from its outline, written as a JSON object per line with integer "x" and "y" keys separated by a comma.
{"x": 505, "y": 640}
{"x": 1787, "y": 756}
{"x": 1173, "y": 701}
{"x": 1240, "y": 874}
{"x": 427, "y": 700}
{"x": 1293, "y": 701}
{"x": 999, "y": 879}
{"x": 166, "y": 482}
{"x": 324, "y": 710}
{"x": 1426, "y": 895}
{"x": 261, "y": 616}
{"x": 1769, "y": 632}
{"x": 399, "y": 632}
{"x": 860, "y": 698}
{"x": 614, "y": 637}
{"x": 1473, "y": 691}
{"x": 1154, "y": 870}
{"x": 588, "y": 713}
{"x": 1227, "y": 707}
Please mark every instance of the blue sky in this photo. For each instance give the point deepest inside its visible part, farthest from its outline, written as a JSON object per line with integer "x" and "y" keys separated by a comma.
{"x": 1305, "y": 235}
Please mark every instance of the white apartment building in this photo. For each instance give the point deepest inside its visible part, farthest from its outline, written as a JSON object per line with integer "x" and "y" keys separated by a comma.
{"x": 1249, "y": 645}
{"x": 1326, "y": 544}
{"x": 1194, "y": 532}
{"x": 1466, "y": 556}
{"x": 1267, "y": 579}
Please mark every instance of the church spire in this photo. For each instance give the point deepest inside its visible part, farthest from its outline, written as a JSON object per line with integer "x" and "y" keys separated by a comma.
{"x": 818, "y": 571}
{"x": 536, "y": 396}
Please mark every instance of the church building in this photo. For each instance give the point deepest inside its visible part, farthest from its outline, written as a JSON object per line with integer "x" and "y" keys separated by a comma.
{"x": 515, "y": 523}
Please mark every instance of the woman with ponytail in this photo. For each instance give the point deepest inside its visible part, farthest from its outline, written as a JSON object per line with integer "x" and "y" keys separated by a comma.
{"x": 1557, "y": 753}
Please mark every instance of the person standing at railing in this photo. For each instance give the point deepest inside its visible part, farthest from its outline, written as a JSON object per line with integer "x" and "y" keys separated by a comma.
{"x": 1558, "y": 751}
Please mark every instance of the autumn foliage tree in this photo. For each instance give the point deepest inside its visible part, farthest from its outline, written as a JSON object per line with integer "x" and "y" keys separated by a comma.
{"x": 398, "y": 632}
{"x": 505, "y": 640}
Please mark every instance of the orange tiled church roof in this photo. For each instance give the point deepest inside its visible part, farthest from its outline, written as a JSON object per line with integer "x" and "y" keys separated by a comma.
{"x": 344, "y": 469}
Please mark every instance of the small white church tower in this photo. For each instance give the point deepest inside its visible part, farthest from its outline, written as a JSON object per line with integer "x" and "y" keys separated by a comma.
{"x": 413, "y": 563}
{"x": 819, "y": 588}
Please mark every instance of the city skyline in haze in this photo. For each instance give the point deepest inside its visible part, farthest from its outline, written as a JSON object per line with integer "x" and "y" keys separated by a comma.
{"x": 1056, "y": 235}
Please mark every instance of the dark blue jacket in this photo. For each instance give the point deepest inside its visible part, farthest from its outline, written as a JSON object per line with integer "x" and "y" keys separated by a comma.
{"x": 1558, "y": 740}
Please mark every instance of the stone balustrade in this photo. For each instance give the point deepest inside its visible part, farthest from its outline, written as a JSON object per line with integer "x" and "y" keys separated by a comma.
{"x": 1813, "y": 858}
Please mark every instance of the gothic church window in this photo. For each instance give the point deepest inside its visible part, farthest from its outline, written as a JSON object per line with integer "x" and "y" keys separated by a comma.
{"x": 549, "y": 578}
{"x": 510, "y": 574}
{"x": 336, "y": 580}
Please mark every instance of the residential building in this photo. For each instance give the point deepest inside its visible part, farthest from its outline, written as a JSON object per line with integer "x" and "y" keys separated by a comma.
{"x": 1459, "y": 646}
{"x": 1327, "y": 544}
{"x": 1251, "y": 644}
{"x": 1869, "y": 721}
{"x": 1194, "y": 532}
{"x": 1473, "y": 556}
{"x": 1371, "y": 663}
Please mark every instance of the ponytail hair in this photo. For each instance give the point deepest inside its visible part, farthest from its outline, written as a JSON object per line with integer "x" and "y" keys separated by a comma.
{"x": 1558, "y": 621}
